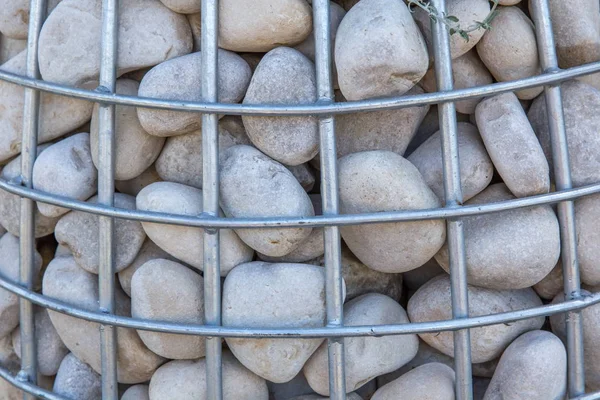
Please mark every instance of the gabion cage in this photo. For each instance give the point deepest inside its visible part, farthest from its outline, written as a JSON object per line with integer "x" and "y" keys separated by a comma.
{"x": 326, "y": 109}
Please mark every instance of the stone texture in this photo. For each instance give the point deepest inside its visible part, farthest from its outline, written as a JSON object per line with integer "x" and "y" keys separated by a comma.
{"x": 476, "y": 168}
{"x": 468, "y": 13}
{"x": 149, "y": 33}
{"x": 379, "y": 50}
{"x": 183, "y": 6}
{"x": 349, "y": 396}
{"x": 467, "y": 71}
{"x": 366, "y": 357}
{"x": 65, "y": 169}
{"x": 375, "y": 181}
{"x": 149, "y": 251}
{"x": 379, "y": 130}
{"x": 79, "y": 232}
{"x": 361, "y": 279}
{"x": 283, "y": 76}
{"x": 10, "y": 204}
{"x": 180, "y": 79}
{"x": 10, "y": 47}
{"x": 9, "y": 269}
{"x": 253, "y": 185}
{"x": 196, "y": 25}
{"x": 552, "y": 284}
{"x": 65, "y": 281}
{"x": 429, "y": 381}
{"x": 50, "y": 348}
{"x": 137, "y": 392}
{"x": 14, "y": 17}
{"x": 590, "y": 317}
{"x": 260, "y": 294}
{"x": 512, "y": 145}
{"x": 7, "y": 350}
{"x": 432, "y": 303}
{"x": 58, "y": 115}
{"x": 587, "y": 212}
{"x": 505, "y": 250}
{"x": 167, "y": 291}
{"x": 534, "y": 367}
{"x": 135, "y": 149}
{"x": 186, "y": 380}
{"x": 311, "y": 248}
{"x": 509, "y": 49}
{"x": 181, "y": 158}
{"x": 77, "y": 380}
{"x": 262, "y": 25}
{"x": 182, "y": 242}
{"x": 133, "y": 186}
{"x": 582, "y": 122}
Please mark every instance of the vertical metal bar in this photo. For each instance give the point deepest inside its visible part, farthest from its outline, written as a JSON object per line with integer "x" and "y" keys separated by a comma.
{"x": 210, "y": 196}
{"x": 453, "y": 192}
{"x": 566, "y": 212}
{"x": 106, "y": 165}
{"x": 329, "y": 193}
{"x": 31, "y": 109}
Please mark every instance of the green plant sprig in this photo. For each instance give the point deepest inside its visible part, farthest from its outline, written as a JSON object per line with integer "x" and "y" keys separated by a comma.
{"x": 451, "y": 22}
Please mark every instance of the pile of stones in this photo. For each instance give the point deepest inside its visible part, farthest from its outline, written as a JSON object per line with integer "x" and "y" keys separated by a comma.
{"x": 394, "y": 273}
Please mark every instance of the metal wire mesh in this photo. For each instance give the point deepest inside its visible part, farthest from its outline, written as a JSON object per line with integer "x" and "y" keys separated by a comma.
{"x": 325, "y": 108}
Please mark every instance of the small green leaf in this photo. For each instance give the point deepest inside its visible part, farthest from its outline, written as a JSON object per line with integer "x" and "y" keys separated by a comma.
{"x": 452, "y": 18}
{"x": 452, "y": 31}
{"x": 464, "y": 35}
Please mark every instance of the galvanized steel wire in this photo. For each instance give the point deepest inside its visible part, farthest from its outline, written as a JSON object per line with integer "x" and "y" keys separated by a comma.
{"x": 326, "y": 109}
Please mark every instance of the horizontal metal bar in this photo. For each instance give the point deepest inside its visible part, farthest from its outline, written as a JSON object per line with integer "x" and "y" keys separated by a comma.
{"x": 207, "y": 221}
{"x": 324, "y": 332}
{"x": 589, "y": 396}
{"x": 29, "y": 387}
{"x": 307, "y": 109}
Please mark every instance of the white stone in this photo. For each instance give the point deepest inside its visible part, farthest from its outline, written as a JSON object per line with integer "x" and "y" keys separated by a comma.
{"x": 552, "y": 284}
{"x": 58, "y": 114}
{"x": 476, "y": 168}
{"x": 183, "y": 6}
{"x": 149, "y": 33}
{"x": 534, "y": 367}
{"x": 376, "y": 181}
{"x": 167, "y": 291}
{"x": 512, "y": 249}
{"x": 432, "y": 303}
{"x": 65, "y": 169}
{"x": 509, "y": 49}
{"x": 149, "y": 251}
{"x": 253, "y": 185}
{"x": 79, "y": 231}
{"x": 137, "y": 392}
{"x": 65, "y": 281}
{"x": 180, "y": 79}
{"x": 429, "y": 381}
{"x": 77, "y": 380}
{"x": 379, "y": 50}
{"x": 9, "y": 269}
{"x": 135, "y": 150}
{"x": 264, "y": 295}
{"x": 262, "y": 25}
{"x": 183, "y": 242}
{"x": 366, "y": 357}
{"x": 133, "y": 186}
{"x": 10, "y": 47}
{"x": 512, "y": 145}
{"x": 186, "y": 380}
{"x": 283, "y": 76}
{"x": 14, "y": 17}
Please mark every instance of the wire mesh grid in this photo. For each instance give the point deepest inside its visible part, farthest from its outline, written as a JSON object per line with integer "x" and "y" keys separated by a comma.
{"x": 326, "y": 109}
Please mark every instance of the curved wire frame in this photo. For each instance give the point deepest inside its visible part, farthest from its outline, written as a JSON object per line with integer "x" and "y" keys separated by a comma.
{"x": 324, "y": 109}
